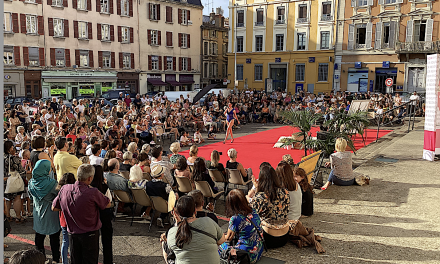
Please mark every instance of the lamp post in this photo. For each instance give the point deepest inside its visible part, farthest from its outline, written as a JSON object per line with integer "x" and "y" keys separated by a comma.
{"x": 235, "y": 47}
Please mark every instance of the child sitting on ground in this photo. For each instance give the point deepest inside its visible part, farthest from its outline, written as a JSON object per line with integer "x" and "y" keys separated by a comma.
{"x": 198, "y": 137}
{"x": 184, "y": 140}
{"x": 211, "y": 134}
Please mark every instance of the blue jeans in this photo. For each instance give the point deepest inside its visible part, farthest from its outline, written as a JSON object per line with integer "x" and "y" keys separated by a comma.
{"x": 336, "y": 181}
{"x": 65, "y": 245}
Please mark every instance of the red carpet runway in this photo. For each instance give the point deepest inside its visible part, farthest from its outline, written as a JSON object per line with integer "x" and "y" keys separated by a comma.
{"x": 256, "y": 148}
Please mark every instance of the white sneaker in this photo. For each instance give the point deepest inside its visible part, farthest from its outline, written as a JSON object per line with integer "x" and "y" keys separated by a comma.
{"x": 160, "y": 222}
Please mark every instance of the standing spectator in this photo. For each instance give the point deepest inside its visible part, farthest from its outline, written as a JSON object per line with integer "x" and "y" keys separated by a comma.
{"x": 95, "y": 158}
{"x": 50, "y": 118}
{"x": 43, "y": 191}
{"x": 63, "y": 161}
{"x": 80, "y": 204}
{"x": 127, "y": 100}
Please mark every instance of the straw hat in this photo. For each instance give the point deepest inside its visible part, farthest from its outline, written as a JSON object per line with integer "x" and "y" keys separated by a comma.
{"x": 157, "y": 170}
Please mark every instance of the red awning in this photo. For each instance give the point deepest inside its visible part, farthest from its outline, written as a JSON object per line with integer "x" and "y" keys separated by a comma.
{"x": 174, "y": 83}
{"x": 156, "y": 82}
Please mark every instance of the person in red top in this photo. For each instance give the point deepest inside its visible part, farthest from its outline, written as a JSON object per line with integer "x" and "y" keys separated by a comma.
{"x": 80, "y": 205}
{"x": 68, "y": 178}
{"x": 72, "y": 134}
{"x": 127, "y": 100}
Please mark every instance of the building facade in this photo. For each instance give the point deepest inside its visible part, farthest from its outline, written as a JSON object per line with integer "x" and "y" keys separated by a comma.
{"x": 281, "y": 45}
{"x": 385, "y": 39}
{"x": 169, "y": 42}
{"x": 214, "y": 49}
{"x": 70, "y": 48}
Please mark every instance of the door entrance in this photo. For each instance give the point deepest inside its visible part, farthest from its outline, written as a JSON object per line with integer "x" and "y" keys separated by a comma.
{"x": 278, "y": 76}
{"x": 416, "y": 79}
{"x": 33, "y": 89}
{"x": 381, "y": 76}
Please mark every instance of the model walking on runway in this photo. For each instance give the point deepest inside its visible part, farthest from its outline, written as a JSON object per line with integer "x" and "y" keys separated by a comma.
{"x": 231, "y": 116}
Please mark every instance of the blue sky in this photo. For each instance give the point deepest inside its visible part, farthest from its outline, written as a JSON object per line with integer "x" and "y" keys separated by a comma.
{"x": 214, "y": 4}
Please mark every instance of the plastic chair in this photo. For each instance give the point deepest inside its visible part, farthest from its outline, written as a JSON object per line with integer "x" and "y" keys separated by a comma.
{"x": 160, "y": 205}
{"x": 217, "y": 176}
{"x": 125, "y": 174}
{"x": 146, "y": 176}
{"x": 124, "y": 197}
{"x": 236, "y": 178}
{"x": 207, "y": 192}
{"x": 141, "y": 197}
{"x": 184, "y": 184}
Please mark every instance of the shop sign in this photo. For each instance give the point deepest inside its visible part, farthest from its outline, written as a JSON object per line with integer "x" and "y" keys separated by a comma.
{"x": 86, "y": 91}
{"x": 57, "y": 91}
{"x": 358, "y": 65}
{"x": 170, "y": 77}
{"x": 386, "y": 64}
{"x": 150, "y": 76}
{"x": 7, "y": 77}
{"x": 105, "y": 89}
{"x": 371, "y": 85}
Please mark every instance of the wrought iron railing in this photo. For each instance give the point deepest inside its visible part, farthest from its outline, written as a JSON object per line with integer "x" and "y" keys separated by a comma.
{"x": 240, "y": 24}
{"x": 261, "y": 23}
{"x": 280, "y": 21}
{"x": 302, "y": 20}
{"x": 418, "y": 47}
{"x": 326, "y": 17}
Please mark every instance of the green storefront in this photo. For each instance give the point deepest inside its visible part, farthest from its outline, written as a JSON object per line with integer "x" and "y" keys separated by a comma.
{"x": 71, "y": 84}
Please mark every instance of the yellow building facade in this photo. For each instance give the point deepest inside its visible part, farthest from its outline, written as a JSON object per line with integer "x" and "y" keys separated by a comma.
{"x": 281, "y": 45}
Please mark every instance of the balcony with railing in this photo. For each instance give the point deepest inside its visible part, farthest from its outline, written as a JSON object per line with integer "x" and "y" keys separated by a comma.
{"x": 280, "y": 22}
{"x": 326, "y": 17}
{"x": 259, "y": 23}
{"x": 418, "y": 47}
{"x": 240, "y": 24}
{"x": 302, "y": 20}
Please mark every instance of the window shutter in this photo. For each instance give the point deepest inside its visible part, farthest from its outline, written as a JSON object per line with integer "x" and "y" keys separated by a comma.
{"x": 41, "y": 57}
{"x": 23, "y": 23}
{"x": 66, "y": 28}
{"x": 188, "y": 41}
{"x": 121, "y": 60}
{"x": 351, "y": 29}
{"x": 378, "y": 40}
{"x": 393, "y": 25}
{"x": 131, "y": 35}
{"x": 118, "y": 7}
{"x": 112, "y": 33}
{"x": 75, "y": 4}
{"x": 180, "y": 63}
{"x": 52, "y": 57}
{"x": 77, "y": 57}
{"x": 40, "y": 20}
{"x": 369, "y": 35}
{"x": 49, "y": 2}
{"x": 174, "y": 63}
{"x": 75, "y": 29}
{"x": 381, "y": 2}
{"x": 113, "y": 60}
{"x": 25, "y": 56}
{"x": 189, "y": 63}
{"x": 149, "y": 11}
{"x": 180, "y": 39}
{"x": 67, "y": 54}
{"x": 90, "y": 31}
{"x": 369, "y": 2}
{"x": 169, "y": 14}
{"x": 50, "y": 25}
{"x": 165, "y": 63}
{"x": 65, "y": 3}
{"x": 98, "y": 31}
{"x": 111, "y": 6}
{"x": 132, "y": 60}
{"x": 100, "y": 59}
{"x": 98, "y": 6}
{"x": 15, "y": 27}
{"x": 39, "y": 1}
{"x": 149, "y": 36}
{"x": 429, "y": 27}
{"x": 409, "y": 30}
{"x": 160, "y": 63}
{"x": 149, "y": 63}
{"x": 89, "y": 5}
{"x": 188, "y": 15}
{"x": 130, "y": 8}
{"x": 17, "y": 55}
{"x": 119, "y": 34}
{"x": 169, "y": 39}
{"x": 179, "y": 16}
{"x": 159, "y": 37}
{"x": 91, "y": 63}
{"x": 158, "y": 12}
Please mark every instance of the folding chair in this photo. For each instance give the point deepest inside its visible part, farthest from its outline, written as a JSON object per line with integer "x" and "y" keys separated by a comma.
{"x": 311, "y": 165}
{"x": 236, "y": 178}
{"x": 207, "y": 192}
{"x": 141, "y": 197}
{"x": 124, "y": 197}
{"x": 146, "y": 176}
{"x": 217, "y": 176}
{"x": 160, "y": 205}
{"x": 184, "y": 184}
{"x": 125, "y": 174}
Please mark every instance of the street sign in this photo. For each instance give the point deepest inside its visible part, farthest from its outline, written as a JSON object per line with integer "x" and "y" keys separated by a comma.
{"x": 389, "y": 82}
{"x": 277, "y": 60}
{"x": 248, "y": 61}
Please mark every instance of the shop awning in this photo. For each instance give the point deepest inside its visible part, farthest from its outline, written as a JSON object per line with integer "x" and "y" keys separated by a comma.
{"x": 174, "y": 83}
{"x": 156, "y": 82}
{"x": 186, "y": 82}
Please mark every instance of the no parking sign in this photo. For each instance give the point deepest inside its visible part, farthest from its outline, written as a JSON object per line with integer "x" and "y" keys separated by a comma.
{"x": 389, "y": 82}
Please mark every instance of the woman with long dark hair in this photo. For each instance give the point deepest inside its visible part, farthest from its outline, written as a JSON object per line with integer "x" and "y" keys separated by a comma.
{"x": 193, "y": 240}
{"x": 105, "y": 216}
{"x": 231, "y": 116}
{"x": 285, "y": 173}
{"x": 201, "y": 174}
{"x": 245, "y": 224}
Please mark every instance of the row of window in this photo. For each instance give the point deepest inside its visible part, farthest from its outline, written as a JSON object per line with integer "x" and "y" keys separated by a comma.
{"x": 210, "y": 70}
{"x": 365, "y": 3}
{"x": 279, "y": 42}
{"x": 183, "y": 15}
{"x": 59, "y": 57}
{"x": 155, "y": 39}
{"x": 280, "y": 19}
{"x": 168, "y": 63}
{"x": 210, "y": 48}
{"x": 300, "y": 69}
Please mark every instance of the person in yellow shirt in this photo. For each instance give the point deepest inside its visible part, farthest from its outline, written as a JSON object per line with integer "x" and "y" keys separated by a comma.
{"x": 63, "y": 161}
